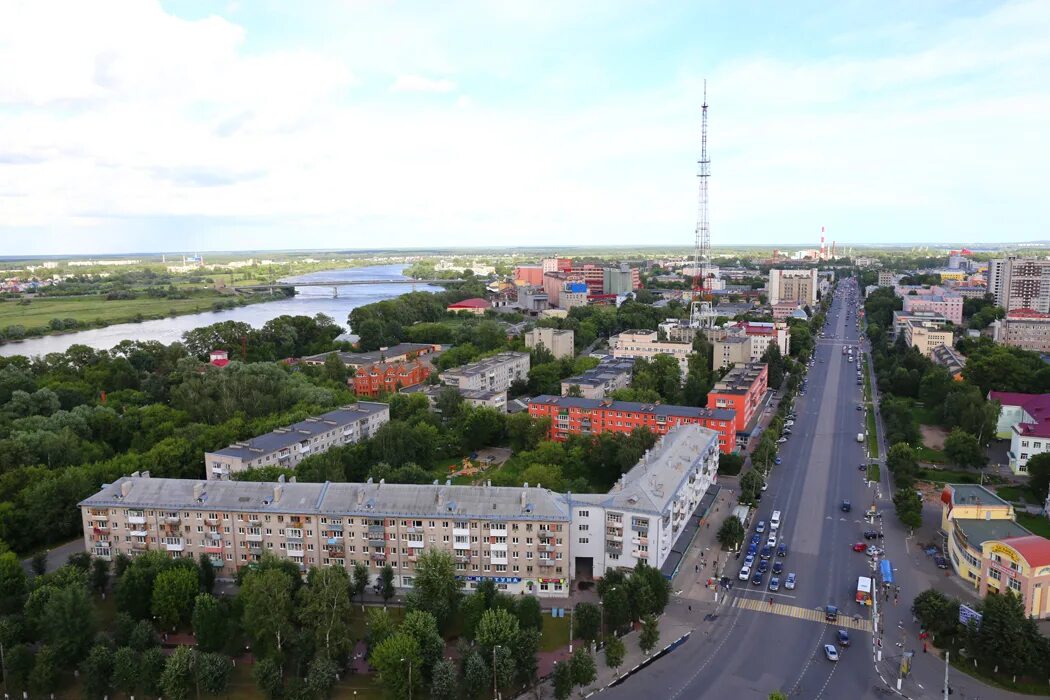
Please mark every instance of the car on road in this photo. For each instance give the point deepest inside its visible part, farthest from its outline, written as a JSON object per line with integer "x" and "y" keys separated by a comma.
{"x": 778, "y": 567}
{"x": 777, "y": 461}
{"x": 862, "y": 465}
{"x": 766, "y": 552}
{"x": 760, "y": 527}
{"x": 756, "y": 538}
{"x": 752, "y": 549}
{"x": 843, "y": 638}
{"x": 789, "y": 582}
{"x": 749, "y": 560}
{"x": 831, "y": 652}
{"x": 756, "y": 579}
{"x": 940, "y": 561}
{"x": 873, "y": 551}
{"x": 745, "y": 572}
{"x": 859, "y": 547}
{"x": 782, "y": 550}
{"x": 846, "y": 506}
{"x": 831, "y": 613}
{"x": 788, "y": 423}
{"x": 782, "y": 440}
{"x": 774, "y": 583}
{"x": 763, "y": 566}
{"x": 872, "y": 535}
{"x": 772, "y": 541}
{"x": 860, "y": 407}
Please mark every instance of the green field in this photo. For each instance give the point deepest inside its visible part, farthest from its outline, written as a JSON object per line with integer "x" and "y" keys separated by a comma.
{"x": 873, "y": 472}
{"x": 96, "y": 311}
{"x": 555, "y": 633}
{"x": 1018, "y": 494}
{"x": 1036, "y": 523}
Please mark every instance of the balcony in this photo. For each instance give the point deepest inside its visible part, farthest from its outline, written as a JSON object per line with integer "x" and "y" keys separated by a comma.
{"x": 254, "y": 523}
{"x": 254, "y": 537}
{"x": 413, "y": 530}
{"x": 378, "y": 556}
{"x": 498, "y": 532}
{"x": 216, "y": 562}
{"x": 136, "y": 520}
{"x": 417, "y": 544}
{"x": 172, "y": 520}
{"x": 462, "y": 558}
{"x": 545, "y": 563}
{"x": 546, "y": 547}
{"x": 334, "y": 527}
{"x": 213, "y": 548}
{"x": 139, "y": 533}
{"x": 174, "y": 546}
{"x": 376, "y": 530}
{"x": 614, "y": 536}
{"x": 254, "y": 548}
{"x": 100, "y": 516}
{"x": 211, "y": 522}
{"x": 461, "y": 545}
{"x": 139, "y": 545}
{"x": 336, "y": 553}
{"x": 100, "y": 528}
{"x": 215, "y": 536}
{"x": 544, "y": 532}
{"x": 376, "y": 542}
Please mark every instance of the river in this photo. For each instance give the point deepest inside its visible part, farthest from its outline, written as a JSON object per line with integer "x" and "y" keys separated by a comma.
{"x": 308, "y": 301}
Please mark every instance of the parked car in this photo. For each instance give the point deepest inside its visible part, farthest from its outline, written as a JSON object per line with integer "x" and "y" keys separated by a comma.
{"x": 782, "y": 440}
{"x": 777, "y": 460}
{"x": 940, "y": 561}
{"x": 872, "y": 535}
{"x": 859, "y": 547}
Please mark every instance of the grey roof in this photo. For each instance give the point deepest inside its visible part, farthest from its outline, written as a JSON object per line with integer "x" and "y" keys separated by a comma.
{"x": 974, "y": 495}
{"x": 607, "y": 369}
{"x": 978, "y": 530}
{"x": 650, "y": 485}
{"x": 358, "y": 359}
{"x": 657, "y": 409}
{"x": 484, "y": 365}
{"x": 345, "y": 499}
{"x": 303, "y": 430}
{"x": 739, "y": 379}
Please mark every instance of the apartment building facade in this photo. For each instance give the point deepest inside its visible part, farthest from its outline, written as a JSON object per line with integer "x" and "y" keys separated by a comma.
{"x": 388, "y": 377}
{"x": 948, "y": 305}
{"x": 1020, "y": 283}
{"x": 286, "y": 447}
{"x": 1028, "y": 330}
{"x": 559, "y": 342}
{"x": 742, "y": 391}
{"x": 494, "y": 373}
{"x": 578, "y": 416}
{"x": 515, "y": 536}
{"x": 741, "y": 343}
{"x": 924, "y": 336}
{"x": 646, "y": 344}
{"x": 521, "y": 538}
{"x": 799, "y": 286}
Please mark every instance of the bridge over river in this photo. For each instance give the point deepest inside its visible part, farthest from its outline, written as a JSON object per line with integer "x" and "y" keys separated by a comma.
{"x": 335, "y": 284}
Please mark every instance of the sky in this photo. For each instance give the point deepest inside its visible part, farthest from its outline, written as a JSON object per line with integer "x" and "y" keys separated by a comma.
{"x": 147, "y": 126}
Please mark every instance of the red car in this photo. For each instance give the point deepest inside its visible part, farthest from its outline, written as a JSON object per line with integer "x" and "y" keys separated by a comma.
{"x": 859, "y": 547}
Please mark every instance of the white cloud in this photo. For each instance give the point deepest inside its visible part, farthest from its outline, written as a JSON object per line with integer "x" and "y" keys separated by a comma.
{"x": 416, "y": 83}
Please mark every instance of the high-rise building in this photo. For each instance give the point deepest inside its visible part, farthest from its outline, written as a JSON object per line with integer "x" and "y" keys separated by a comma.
{"x": 1020, "y": 283}
{"x": 793, "y": 285}
{"x": 559, "y": 341}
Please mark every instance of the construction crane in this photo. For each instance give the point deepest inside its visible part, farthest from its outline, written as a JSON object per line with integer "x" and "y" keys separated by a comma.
{"x": 700, "y": 312}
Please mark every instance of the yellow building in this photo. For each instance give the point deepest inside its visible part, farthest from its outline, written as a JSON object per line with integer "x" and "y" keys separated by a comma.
{"x": 927, "y": 335}
{"x": 1020, "y": 565}
{"x": 958, "y": 275}
{"x": 972, "y": 515}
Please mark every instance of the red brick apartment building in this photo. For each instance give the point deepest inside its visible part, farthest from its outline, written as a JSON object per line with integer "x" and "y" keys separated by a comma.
{"x": 576, "y": 416}
{"x": 741, "y": 391}
{"x": 388, "y": 377}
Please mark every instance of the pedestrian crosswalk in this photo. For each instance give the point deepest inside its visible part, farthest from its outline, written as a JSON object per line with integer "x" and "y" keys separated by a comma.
{"x": 813, "y": 615}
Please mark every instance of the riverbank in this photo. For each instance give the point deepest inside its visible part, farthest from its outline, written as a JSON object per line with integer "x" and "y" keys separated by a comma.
{"x": 42, "y": 316}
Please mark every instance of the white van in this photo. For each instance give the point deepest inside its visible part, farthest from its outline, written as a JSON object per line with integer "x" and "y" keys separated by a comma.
{"x": 774, "y": 521}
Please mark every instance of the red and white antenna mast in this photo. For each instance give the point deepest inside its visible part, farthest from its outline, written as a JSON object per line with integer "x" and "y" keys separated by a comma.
{"x": 700, "y": 311}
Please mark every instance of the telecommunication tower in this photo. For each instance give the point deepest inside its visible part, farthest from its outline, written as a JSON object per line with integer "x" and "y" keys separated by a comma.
{"x": 701, "y": 314}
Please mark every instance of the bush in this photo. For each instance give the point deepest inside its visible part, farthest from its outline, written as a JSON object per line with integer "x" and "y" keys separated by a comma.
{"x": 730, "y": 464}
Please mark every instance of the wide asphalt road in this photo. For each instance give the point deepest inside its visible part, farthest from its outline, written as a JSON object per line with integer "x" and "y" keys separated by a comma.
{"x": 748, "y": 648}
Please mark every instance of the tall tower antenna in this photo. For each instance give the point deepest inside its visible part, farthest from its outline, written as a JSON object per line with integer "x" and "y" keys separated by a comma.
{"x": 701, "y": 314}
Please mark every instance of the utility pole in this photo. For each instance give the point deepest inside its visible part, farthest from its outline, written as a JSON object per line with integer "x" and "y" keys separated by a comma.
{"x": 946, "y": 689}
{"x": 572, "y": 610}
{"x": 495, "y": 690}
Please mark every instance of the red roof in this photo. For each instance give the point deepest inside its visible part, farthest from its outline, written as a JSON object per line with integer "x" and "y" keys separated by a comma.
{"x": 1035, "y": 549}
{"x": 1035, "y": 405}
{"x": 1026, "y": 313}
{"x": 475, "y": 303}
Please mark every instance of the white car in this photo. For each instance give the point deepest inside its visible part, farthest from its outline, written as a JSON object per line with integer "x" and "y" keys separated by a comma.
{"x": 749, "y": 560}
{"x": 772, "y": 539}
{"x": 745, "y": 573}
{"x": 831, "y": 652}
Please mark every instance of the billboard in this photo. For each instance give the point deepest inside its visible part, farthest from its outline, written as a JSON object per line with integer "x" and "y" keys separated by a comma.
{"x": 966, "y": 614}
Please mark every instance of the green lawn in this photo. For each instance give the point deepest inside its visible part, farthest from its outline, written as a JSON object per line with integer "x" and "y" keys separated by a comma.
{"x": 928, "y": 454}
{"x": 873, "y": 472}
{"x": 90, "y": 310}
{"x": 1018, "y": 494}
{"x": 1036, "y": 523}
{"x": 555, "y": 632}
{"x": 942, "y": 476}
{"x": 873, "y": 436}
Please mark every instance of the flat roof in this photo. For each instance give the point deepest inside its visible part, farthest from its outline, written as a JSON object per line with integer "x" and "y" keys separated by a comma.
{"x": 348, "y": 499}
{"x": 978, "y": 530}
{"x": 281, "y": 438}
{"x": 739, "y": 379}
{"x": 484, "y": 365}
{"x": 370, "y": 358}
{"x": 607, "y": 369}
{"x": 972, "y": 495}
{"x": 657, "y": 409}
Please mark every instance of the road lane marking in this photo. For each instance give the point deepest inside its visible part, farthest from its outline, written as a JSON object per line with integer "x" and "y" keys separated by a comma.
{"x": 800, "y": 613}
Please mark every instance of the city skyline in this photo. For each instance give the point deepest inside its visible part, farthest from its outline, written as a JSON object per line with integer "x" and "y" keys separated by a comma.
{"x": 359, "y": 125}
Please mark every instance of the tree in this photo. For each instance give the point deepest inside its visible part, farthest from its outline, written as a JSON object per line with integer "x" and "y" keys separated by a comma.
{"x": 179, "y": 679}
{"x": 731, "y": 533}
{"x": 529, "y": 613}
{"x": 39, "y": 562}
{"x": 563, "y": 680}
{"x": 360, "y": 582}
{"x": 730, "y": 464}
{"x": 909, "y": 508}
{"x": 903, "y": 464}
{"x": 268, "y": 678}
{"x": 18, "y": 662}
{"x": 321, "y": 676}
{"x": 614, "y": 652}
{"x": 206, "y": 573}
{"x": 617, "y": 604}
{"x": 396, "y": 660}
{"x": 213, "y": 672}
{"x": 43, "y": 679}
{"x": 587, "y": 620}
{"x": 380, "y": 626}
{"x": 12, "y": 583}
{"x": 435, "y": 588}
{"x": 422, "y": 627}
{"x": 962, "y": 448}
{"x": 266, "y": 596}
{"x": 1006, "y": 637}
{"x": 750, "y": 486}
{"x": 650, "y": 634}
{"x": 210, "y": 625}
{"x": 582, "y": 667}
{"x": 68, "y": 624}
{"x": 525, "y": 647}
{"x": 151, "y": 670}
{"x": 777, "y": 695}
{"x": 476, "y": 674}
{"x": 173, "y": 594}
{"x": 498, "y": 627}
{"x": 443, "y": 684}
{"x": 1039, "y": 474}
{"x": 96, "y": 671}
{"x": 99, "y": 575}
{"x": 386, "y": 583}
{"x": 937, "y": 612}
{"x": 126, "y": 670}
{"x": 324, "y": 608}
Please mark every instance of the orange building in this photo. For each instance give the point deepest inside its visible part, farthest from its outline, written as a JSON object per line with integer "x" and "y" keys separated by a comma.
{"x": 387, "y": 378}
{"x": 742, "y": 391}
{"x": 579, "y": 416}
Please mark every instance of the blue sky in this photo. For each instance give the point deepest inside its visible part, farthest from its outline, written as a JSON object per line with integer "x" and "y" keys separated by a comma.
{"x": 188, "y": 125}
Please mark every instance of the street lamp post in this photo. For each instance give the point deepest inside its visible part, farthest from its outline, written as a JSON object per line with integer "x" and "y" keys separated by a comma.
{"x": 495, "y": 691}
{"x": 409, "y": 677}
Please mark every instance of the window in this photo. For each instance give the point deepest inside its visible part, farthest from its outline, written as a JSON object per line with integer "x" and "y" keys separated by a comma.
{"x": 585, "y": 540}
{"x": 584, "y": 513}
{"x": 584, "y": 527}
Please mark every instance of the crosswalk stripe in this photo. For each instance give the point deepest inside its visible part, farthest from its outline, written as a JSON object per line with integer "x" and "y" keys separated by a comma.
{"x": 863, "y": 625}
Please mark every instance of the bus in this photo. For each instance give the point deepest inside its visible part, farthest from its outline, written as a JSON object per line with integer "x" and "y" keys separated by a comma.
{"x": 864, "y": 590}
